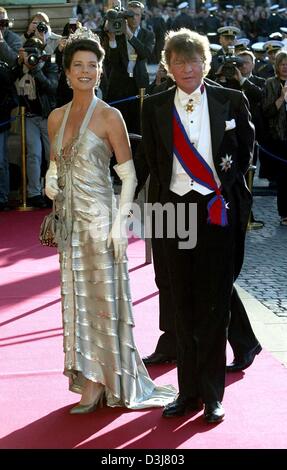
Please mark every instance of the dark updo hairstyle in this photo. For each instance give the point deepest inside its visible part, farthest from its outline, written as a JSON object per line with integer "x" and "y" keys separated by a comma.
{"x": 82, "y": 45}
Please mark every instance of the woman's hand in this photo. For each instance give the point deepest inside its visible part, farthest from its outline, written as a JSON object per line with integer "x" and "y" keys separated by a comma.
{"x": 284, "y": 91}
{"x": 118, "y": 237}
{"x": 51, "y": 186}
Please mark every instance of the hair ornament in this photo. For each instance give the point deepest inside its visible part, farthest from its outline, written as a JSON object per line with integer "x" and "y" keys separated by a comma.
{"x": 82, "y": 33}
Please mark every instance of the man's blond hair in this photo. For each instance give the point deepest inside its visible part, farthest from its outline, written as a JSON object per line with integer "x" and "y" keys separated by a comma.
{"x": 187, "y": 43}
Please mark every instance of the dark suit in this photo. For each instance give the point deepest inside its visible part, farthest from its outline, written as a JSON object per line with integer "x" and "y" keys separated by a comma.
{"x": 202, "y": 278}
{"x": 120, "y": 85}
{"x": 240, "y": 334}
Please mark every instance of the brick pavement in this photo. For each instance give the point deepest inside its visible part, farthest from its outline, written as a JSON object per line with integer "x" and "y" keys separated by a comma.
{"x": 264, "y": 273}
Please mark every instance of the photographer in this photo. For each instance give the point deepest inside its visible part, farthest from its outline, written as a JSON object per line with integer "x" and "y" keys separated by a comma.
{"x": 249, "y": 83}
{"x": 227, "y": 36}
{"x": 271, "y": 48}
{"x": 39, "y": 27}
{"x": 36, "y": 84}
{"x": 8, "y": 101}
{"x": 128, "y": 50}
{"x": 236, "y": 72}
{"x": 64, "y": 92}
{"x": 10, "y": 42}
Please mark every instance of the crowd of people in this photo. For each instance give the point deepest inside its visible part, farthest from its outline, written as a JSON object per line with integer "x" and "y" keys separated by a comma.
{"x": 208, "y": 104}
{"x": 256, "y": 33}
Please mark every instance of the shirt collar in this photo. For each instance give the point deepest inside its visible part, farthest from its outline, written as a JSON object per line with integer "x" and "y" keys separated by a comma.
{"x": 185, "y": 97}
{"x": 137, "y": 31}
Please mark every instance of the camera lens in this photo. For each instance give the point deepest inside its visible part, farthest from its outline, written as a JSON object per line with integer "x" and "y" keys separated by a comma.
{"x": 32, "y": 59}
{"x": 42, "y": 27}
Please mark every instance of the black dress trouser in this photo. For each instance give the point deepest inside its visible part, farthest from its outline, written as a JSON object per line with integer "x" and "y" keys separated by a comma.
{"x": 201, "y": 284}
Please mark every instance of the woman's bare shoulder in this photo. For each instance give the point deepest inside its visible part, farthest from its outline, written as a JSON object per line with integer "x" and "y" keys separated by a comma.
{"x": 55, "y": 119}
{"x": 56, "y": 116}
{"x": 108, "y": 112}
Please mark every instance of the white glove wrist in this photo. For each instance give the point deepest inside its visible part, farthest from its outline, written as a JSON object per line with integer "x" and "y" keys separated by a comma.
{"x": 118, "y": 233}
{"x": 51, "y": 185}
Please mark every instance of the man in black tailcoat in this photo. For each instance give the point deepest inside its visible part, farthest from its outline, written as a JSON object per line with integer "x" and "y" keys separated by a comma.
{"x": 198, "y": 142}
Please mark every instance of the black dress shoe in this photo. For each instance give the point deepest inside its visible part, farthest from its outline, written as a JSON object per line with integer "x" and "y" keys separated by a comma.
{"x": 241, "y": 363}
{"x": 180, "y": 406}
{"x": 213, "y": 412}
{"x": 158, "y": 358}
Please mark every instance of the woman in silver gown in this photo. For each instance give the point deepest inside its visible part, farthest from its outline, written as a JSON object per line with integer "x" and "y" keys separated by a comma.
{"x": 101, "y": 359}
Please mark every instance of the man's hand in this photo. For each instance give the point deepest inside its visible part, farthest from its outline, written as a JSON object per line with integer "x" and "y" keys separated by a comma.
{"x": 220, "y": 78}
{"x": 1, "y": 36}
{"x": 129, "y": 32}
{"x": 237, "y": 74}
{"x": 160, "y": 75}
{"x": 111, "y": 36}
{"x": 62, "y": 44}
{"x": 21, "y": 56}
{"x": 40, "y": 35}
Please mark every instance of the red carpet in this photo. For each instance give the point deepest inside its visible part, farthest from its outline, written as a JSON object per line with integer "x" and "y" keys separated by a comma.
{"x": 35, "y": 399}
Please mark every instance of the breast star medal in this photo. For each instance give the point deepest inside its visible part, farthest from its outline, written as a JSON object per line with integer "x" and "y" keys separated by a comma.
{"x": 226, "y": 163}
{"x": 189, "y": 107}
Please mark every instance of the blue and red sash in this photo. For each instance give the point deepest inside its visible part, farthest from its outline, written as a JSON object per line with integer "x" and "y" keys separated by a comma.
{"x": 198, "y": 170}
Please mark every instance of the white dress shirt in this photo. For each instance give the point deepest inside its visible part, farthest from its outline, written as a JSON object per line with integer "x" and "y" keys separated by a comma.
{"x": 197, "y": 127}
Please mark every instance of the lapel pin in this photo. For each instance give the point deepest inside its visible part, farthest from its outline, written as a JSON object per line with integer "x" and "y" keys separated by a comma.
{"x": 189, "y": 106}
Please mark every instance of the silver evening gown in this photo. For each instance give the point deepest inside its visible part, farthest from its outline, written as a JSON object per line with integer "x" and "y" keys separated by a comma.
{"x": 96, "y": 300}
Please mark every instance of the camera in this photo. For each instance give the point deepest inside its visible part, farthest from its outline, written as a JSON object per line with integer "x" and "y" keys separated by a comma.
{"x": 230, "y": 61}
{"x": 42, "y": 27}
{"x": 35, "y": 55}
{"x": 4, "y": 23}
{"x": 116, "y": 20}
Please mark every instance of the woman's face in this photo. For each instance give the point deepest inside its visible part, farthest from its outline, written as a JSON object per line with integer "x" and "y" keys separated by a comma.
{"x": 85, "y": 70}
{"x": 282, "y": 69}
{"x": 35, "y": 21}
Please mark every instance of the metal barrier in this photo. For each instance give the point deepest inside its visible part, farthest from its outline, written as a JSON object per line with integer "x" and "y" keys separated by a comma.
{"x": 252, "y": 224}
{"x": 144, "y": 191}
{"x": 23, "y": 206}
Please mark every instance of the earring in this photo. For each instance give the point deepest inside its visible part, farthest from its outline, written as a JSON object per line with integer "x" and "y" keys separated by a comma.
{"x": 68, "y": 82}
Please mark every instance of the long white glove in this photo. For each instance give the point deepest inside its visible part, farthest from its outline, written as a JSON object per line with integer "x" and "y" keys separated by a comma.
{"x": 118, "y": 233}
{"x": 51, "y": 185}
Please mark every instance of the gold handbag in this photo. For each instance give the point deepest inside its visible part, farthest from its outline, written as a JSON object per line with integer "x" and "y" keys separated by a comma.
{"x": 47, "y": 235}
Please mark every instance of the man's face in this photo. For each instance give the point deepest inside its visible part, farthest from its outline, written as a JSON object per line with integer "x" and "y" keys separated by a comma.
{"x": 247, "y": 65}
{"x": 136, "y": 20}
{"x": 187, "y": 73}
{"x": 271, "y": 56}
{"x": 226, "y": 41}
